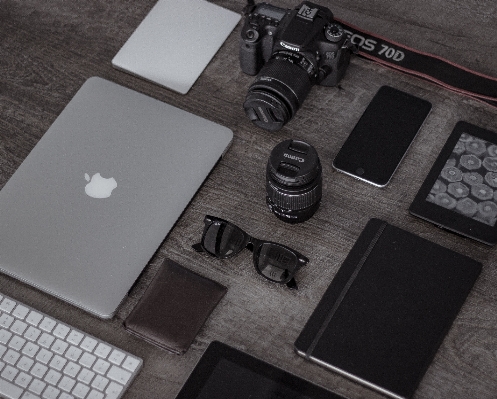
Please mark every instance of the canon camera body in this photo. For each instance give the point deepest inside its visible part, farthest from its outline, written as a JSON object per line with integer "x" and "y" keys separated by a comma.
{"x": 289, "y": 51}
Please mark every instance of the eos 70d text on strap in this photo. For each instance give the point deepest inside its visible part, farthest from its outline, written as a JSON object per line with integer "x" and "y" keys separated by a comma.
{"x": 424, "y": 65}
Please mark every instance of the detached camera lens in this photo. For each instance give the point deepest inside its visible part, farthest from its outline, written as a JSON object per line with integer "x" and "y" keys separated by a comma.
{"x": 293, "y": 181}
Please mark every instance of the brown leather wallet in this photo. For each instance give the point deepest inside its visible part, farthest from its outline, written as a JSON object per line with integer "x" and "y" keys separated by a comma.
{"x": 174, "y": 307}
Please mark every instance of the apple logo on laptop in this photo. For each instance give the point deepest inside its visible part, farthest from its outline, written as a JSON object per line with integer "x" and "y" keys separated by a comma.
{"x": 98, "y": 186}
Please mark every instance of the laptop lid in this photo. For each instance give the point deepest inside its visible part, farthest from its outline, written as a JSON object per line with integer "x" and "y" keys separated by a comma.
{"x": 95, "y": 198}
{"x": 175, "y": 42}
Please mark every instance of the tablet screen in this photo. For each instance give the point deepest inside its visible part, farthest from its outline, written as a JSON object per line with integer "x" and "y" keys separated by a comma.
{"x": 243, "y": 384}
{"x": 224, "y": 372}
{"x": 467, "y": 183}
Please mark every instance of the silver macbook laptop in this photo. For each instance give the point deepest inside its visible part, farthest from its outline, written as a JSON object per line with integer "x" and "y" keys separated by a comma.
{"x": 175, "y": 42}
{"x": 95, "y": 198}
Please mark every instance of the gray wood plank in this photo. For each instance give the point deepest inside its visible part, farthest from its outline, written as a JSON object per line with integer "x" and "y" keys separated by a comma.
{"x": 49, "y": 48}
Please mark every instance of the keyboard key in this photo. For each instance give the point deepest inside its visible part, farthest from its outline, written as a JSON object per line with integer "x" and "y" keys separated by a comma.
{"x": 100, "y": 382}
{"x": 10, "y": 391}
{"x": 28, "y": 395}
{"x": 34, "y": 318}
{"x": 5, "y": 336}
{"x": 7, "y": 305}
{"x": 67, "y": 384}
{"x": 23, "y": 380}
{"x": 58, "y": 362}
{"x": 20, "y": 312}
{"x": 11, "y": 357}
{"x": 39, "y": 370}
{"x": 87, "y": 360}
{"x": 113, "y": 391}
{"x": 131, "y": 363}
{"x": 52, "y": 377}
{"x": 95, "y": 395}
{"x": 30, "y": 349}
{"x": 101, "y": 366}
{"x": 61, "y": 331}
{"x": 9, "y": 373}
{"x": 89, "y": 344}
{"x": 47, "y": 324}
{"x": 44, "y": 356}
{"x": 50, "y": 393}
{"x": 86, "y": 376}
{"x": 59, "y": 346}
{"x": 102, "y": 350}
{"x": 25, "y": 363}
{"x": 80, "y": 391}
{"x": 72, "y": 369}
{"x": 37, "y": 386}
{"x": 32, "y": 333}
{"x": 73, "y": 353}
{"x": 116, "y": 357}
{"x": 18, "y": 327}
{"x": 119, "y": 375}
{"x": 75, "y": 337}
{"x": 6, "y": 320}
{"x": 46, "y": 340}
{"x": 17, "y": 343}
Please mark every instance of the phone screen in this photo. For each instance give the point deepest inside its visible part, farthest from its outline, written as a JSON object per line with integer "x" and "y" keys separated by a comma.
{"x": 382, "y": 136}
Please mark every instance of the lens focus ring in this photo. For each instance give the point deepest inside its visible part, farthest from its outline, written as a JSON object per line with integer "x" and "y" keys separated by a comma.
{"x": 295, "y": 200}
{"x": 277, "y": 93}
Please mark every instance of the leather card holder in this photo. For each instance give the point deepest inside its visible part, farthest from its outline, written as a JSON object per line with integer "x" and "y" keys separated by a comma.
{"x": 174, "y": 307}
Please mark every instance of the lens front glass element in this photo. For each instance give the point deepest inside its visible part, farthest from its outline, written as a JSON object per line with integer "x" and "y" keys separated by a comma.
{"x": 223, "y": 239}
{"x": 276, "y": 262}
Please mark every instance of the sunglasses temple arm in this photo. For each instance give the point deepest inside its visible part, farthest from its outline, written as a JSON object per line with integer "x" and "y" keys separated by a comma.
{"x": 292, "y": 284}
{"x": 198, "y": 247}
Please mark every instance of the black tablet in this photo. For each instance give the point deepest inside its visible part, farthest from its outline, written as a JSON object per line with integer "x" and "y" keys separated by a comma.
{"x": 224, "y": 372}
{"x": 460, "y": 192}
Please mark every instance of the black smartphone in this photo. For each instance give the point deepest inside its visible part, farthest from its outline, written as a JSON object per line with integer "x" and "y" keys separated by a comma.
{"x": 382, "y": 136}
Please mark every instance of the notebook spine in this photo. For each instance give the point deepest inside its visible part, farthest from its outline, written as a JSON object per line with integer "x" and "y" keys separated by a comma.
{"x": 334, "y": 295}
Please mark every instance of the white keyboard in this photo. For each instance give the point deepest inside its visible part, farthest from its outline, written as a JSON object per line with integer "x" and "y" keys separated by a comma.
{"x": 41, "y": 357}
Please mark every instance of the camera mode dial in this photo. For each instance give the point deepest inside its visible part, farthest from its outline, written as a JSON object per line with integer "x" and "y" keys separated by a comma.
{"x": 251, "y": 35}
{"x": 334, "y": 32}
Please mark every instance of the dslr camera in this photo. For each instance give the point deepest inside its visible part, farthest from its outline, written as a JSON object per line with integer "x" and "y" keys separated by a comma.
{"x": 289, "y": 51}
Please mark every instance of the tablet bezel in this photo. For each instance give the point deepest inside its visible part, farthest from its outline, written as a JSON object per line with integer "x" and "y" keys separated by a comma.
{"x": 218, "y": 351}
{"x": 446, "y": 218}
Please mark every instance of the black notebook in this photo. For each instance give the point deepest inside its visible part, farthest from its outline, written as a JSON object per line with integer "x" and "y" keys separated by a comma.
{"x": 386, "y": 312}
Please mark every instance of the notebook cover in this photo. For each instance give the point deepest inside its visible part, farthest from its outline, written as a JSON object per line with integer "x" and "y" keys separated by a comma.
{"x": 386, "y": 312}
{"x": 174, "y": 307}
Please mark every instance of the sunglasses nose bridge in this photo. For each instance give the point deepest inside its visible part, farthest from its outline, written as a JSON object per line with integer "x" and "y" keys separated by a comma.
{"x": 252, "y": 243}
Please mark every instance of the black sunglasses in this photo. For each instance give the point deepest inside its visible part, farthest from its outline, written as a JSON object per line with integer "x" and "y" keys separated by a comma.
{"x": 273, "y": 261}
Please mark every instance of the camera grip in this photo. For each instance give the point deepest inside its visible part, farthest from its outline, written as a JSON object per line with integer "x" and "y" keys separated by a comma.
{"x": 250, "y": 57}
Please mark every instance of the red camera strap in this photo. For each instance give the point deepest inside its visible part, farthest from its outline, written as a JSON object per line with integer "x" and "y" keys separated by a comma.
{"x": 424, "y": 65}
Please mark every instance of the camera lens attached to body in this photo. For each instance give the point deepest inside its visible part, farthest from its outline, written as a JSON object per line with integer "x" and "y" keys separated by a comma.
{"x": 278, "y": 91}
{"x": 293, "y": 181}
{"x": 290, "y": 51}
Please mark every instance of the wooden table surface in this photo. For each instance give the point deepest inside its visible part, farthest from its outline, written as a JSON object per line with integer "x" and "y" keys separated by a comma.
{"x": 49, "y": 48}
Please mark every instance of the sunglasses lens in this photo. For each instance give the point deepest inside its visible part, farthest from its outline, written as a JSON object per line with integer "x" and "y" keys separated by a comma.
{"x": 223, "y": 239}
{"x": 276, "y": 263}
